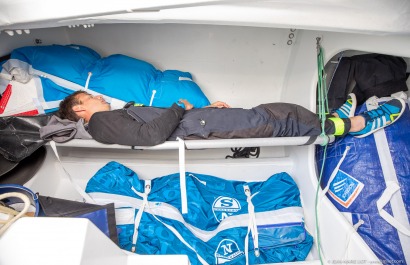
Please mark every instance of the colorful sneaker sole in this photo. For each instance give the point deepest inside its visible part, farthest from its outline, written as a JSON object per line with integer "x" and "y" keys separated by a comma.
{"x": 348, "y": 109}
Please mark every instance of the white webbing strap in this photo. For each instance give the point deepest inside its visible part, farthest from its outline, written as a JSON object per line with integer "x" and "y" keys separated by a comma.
{"x": 77, "y": 187}
{"x": 152, "y": 97}
{"x": 87, "y": 82}
{"x": 182, "y": 178}
{"x": 252, "y": 227}
{"x": 137, "y": 219}
{"x": 391, "y": 188}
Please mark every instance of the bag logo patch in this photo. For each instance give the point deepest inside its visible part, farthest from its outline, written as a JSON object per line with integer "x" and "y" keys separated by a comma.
{"x": 344, "y": 188}
{"x": 224, "y": 207}
{"x": 227, "y": 250}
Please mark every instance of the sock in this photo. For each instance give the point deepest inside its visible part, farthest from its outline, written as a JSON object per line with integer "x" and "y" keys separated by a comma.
{"x": 337, "y": 126}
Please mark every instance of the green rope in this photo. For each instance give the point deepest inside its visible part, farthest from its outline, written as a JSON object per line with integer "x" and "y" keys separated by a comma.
{"x": 323, "y": 110}
{"x": 322, "y": 95}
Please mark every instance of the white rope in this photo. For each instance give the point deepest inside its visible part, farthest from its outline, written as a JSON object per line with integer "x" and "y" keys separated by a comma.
{"x": 252, "y": 227}
{"x": 10, "y": 221}
{"x": 351, "y": 231}
{"x": 325, "y": 190}
{"x": 145, "y": 207}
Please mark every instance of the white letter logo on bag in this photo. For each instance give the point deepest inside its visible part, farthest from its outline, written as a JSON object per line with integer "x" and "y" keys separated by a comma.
{"x": 224, "y": 207}
{"x": 227, "y": 251}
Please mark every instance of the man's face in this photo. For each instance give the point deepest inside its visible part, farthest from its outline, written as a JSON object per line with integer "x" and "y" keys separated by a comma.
{"x": 90, "y": 104}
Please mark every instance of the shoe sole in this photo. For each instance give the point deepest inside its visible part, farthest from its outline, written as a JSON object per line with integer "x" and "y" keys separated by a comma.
{"x": 403, "y": 105}
{"x": 354, "y": 104}
{"x": 352, "y": 110}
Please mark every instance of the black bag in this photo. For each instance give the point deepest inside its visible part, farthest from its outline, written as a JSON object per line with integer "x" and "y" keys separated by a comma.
{"x": 21, "y": 172}
{"x": 20, "y": 136}
{"x": 103, "y": 216}
{"x": 375, "y": 75}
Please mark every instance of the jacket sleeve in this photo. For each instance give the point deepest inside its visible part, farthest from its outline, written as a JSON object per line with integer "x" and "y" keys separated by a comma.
{"x": 118, "y": 127}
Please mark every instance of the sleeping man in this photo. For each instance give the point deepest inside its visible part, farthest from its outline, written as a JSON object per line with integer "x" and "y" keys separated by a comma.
{"x": 147, "y": 126}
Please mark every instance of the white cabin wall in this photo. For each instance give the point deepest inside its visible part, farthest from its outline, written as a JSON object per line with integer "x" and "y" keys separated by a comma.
{"x": 244, "y": 66}
{"x": 46, "y": 36}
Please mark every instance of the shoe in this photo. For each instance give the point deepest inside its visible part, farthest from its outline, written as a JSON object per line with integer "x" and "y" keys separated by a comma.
{"x": 381, "y": 117}
{"x": 348, "y": 108}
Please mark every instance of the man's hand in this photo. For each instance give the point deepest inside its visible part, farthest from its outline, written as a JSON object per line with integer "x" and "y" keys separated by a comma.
{"x": 188, "y": 105}
{"x": 219, "y": 105}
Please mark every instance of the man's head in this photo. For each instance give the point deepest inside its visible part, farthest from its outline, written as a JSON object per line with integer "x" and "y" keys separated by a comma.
{"x": 81, "y": 104}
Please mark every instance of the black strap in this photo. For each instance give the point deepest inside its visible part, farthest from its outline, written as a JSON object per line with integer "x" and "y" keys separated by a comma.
{"x": 245, "y": 152}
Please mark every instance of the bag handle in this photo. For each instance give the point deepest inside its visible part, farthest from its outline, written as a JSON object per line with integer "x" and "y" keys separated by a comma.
{"x": 391, "y": 188}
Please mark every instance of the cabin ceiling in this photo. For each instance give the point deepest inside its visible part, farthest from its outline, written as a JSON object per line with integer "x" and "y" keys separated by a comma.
{"x": 364, "y": 16}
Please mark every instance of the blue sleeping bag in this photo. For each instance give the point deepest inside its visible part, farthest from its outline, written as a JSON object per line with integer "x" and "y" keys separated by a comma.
{"x": 122, "y": 77}
{"x": 227, "y": 221}
{"x": 68, "y": 62}
{"x": 172, "y": 85}
{"x": 75, "y": 67}
{"x": 372, "y": 185}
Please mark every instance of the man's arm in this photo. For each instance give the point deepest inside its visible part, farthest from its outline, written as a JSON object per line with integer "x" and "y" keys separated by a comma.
{"x": 118, "y": 127}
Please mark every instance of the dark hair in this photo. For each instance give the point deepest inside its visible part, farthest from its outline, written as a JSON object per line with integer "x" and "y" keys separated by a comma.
{"x": 66, "y": 106}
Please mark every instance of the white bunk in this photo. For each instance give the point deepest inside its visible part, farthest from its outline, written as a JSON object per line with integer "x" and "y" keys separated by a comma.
{"x": 210, "y": 144}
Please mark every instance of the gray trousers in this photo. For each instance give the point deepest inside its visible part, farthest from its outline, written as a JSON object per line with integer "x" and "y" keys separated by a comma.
{"x": 265, "y": 120}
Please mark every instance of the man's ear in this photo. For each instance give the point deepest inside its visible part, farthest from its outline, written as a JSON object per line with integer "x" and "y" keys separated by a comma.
{"x": 78, "y": 108}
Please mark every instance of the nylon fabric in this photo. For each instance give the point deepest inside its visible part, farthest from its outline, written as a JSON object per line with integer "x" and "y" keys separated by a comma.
{"x": 64, "y": 69}
{"x": 217, "y": 221}
{"x": 372, "y": 75}
{"x": 362, "y": 178}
